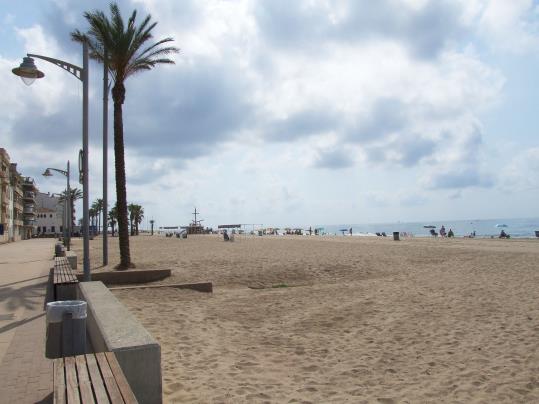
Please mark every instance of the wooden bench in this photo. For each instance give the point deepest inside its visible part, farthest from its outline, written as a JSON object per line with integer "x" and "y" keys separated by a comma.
{"x": 90, "y": 378}
{"x": 64, "y": 280}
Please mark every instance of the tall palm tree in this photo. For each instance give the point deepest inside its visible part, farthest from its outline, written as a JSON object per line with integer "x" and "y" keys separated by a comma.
{"x": 129, "y": 49}
{"x": 76, "y": 194}
{"x": 113, "y": 218}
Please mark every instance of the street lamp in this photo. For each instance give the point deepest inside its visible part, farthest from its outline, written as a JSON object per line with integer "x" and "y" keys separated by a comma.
{"x": 67, "y": 199}
{"x": 28, "y": 72}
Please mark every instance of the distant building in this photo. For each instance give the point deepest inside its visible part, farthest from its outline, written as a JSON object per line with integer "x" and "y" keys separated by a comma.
{"x": 29, "y": 202}
{"x": 6, "y": 197}
{"x": 17, "y": 202}
{"x": 49, "y": 215}
{"x": 17, "y": 230}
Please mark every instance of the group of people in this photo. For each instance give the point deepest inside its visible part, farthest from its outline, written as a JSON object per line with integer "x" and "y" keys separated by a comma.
{"x": 443, "y": 233}
{"x": 450, "y": 233}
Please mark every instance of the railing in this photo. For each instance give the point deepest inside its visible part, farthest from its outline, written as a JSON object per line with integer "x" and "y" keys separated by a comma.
{"x": 28, "y": 210}
{"x": 29, "y": 195}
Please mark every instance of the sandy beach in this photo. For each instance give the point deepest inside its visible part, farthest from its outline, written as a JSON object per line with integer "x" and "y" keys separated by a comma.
{"x": 355, "y": 319}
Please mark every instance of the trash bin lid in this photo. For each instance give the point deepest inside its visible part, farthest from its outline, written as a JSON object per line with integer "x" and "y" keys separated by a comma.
{"x": 56, "y": 310}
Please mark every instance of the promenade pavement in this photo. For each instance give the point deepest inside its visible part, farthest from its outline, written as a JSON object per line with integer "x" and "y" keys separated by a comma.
{"x": 25, "y": 373}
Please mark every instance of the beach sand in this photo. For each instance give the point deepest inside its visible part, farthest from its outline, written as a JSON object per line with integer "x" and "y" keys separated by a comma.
{"x": 361, "y": 319}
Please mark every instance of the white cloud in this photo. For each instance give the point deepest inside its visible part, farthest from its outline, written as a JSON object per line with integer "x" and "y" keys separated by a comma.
{"x": 521, "y": 173}
{"x": 510, "y": 25}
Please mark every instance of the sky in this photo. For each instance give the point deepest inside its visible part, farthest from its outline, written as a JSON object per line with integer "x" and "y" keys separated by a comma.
{"x": 295, "y": 113}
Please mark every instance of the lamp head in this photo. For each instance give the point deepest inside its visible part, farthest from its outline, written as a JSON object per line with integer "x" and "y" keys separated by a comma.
{"x": 47, "y": 173}
{"x": 28, "y": 71}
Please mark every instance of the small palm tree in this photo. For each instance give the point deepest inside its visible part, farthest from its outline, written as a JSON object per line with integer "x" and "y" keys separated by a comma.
{"x": 97, "y": 206}
{"x": 139, "y": 215}
{"x": 131, "y": 209}
{"x": 92, "y": 214}
{"x": 76, "y": 194}
{"x": 127, "y": 49}
{"x": 113, "y": 218}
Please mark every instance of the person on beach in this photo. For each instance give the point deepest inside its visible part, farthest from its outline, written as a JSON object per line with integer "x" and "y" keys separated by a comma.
{"x": 503, "y": 234}
{"x": 350, "y": 231}
{"x": 225, "y": 236}
{"x": 442, "y": 231}
{"x": 450, "y": 233}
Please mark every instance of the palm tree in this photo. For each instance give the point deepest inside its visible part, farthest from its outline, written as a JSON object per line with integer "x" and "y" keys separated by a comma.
{"x": 92, "y": 214}
{"x": 128, "y": 50}
{"x": 132, "y": 214}
{"x": 97, "y": 206}
{"x": 139, "y": 215}
{"x": 113, "y": 217}
{"x": 76, "y": 194}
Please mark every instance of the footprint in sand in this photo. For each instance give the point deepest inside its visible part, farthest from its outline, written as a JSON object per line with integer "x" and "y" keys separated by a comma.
{"x": 312, "y": 368}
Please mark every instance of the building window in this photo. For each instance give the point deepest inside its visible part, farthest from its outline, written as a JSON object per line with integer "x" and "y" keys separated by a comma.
{"x": 44, "y": 229}
{"x": 61, "y": 229}
{"x": 51, "y": 215}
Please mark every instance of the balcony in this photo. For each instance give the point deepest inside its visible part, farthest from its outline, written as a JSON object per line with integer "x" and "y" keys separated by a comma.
{"x": 29, "y": 195}
{"x": 29, "y": 222}
{"x": 28, "y": 209}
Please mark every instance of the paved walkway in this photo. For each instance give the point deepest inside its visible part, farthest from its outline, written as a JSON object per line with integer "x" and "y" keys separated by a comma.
{"x": 25, "y": 373}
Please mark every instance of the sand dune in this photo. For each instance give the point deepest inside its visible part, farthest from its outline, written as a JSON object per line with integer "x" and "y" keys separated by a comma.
{"x": 362, "y": 319}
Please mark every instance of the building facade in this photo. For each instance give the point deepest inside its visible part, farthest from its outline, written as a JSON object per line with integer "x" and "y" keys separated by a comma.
{"x": 17, "y": 202}
{"x": 6, "y": 205}
{"x": 29, "y": 204}
{"x": 49, "y": 215}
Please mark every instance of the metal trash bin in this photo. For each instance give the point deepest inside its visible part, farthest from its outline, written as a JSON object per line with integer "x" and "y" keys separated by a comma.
{"x": 396, "y": 236}
{"x": 59, "y": 250}
{"x": 66, "y": 328}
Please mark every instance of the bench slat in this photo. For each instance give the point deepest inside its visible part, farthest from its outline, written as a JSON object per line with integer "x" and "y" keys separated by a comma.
{"x": 97, "y": 381}
{"x": 108, "y": 378}
{"x": 123, "y": 385}
{"x": 85, "y": 386}
{"x": 59, "y": 381}
{"x": 71, "y": 380}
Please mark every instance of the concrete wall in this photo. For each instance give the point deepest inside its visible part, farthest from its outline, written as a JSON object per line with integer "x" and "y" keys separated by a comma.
{"x": 111, "y": 327}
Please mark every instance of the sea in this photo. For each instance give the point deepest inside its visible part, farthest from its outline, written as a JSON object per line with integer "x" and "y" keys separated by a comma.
{"x": 516, "y": 228}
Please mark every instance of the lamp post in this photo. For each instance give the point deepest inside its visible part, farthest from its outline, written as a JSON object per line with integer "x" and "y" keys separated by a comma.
{"x": 105, "y": 158}
{"x": 67, "y": 199}
{"x": 28, "y": 72}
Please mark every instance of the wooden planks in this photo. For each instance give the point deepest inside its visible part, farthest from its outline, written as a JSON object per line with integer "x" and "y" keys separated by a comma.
{"x": 63, "y": 272}
{"x": 119, "y": 376}
{"x": 89, "y": 379}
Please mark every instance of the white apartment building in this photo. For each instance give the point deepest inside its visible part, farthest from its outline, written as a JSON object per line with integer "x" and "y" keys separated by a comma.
{"x": 49, "y": 215}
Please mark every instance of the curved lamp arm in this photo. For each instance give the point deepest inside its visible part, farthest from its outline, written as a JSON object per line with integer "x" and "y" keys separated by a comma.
{"x": 63, "y": 172}
{"x": 73, "y": 69}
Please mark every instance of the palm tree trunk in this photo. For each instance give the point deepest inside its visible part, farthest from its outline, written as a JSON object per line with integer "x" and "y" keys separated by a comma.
{"x": 118, "y": 95}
